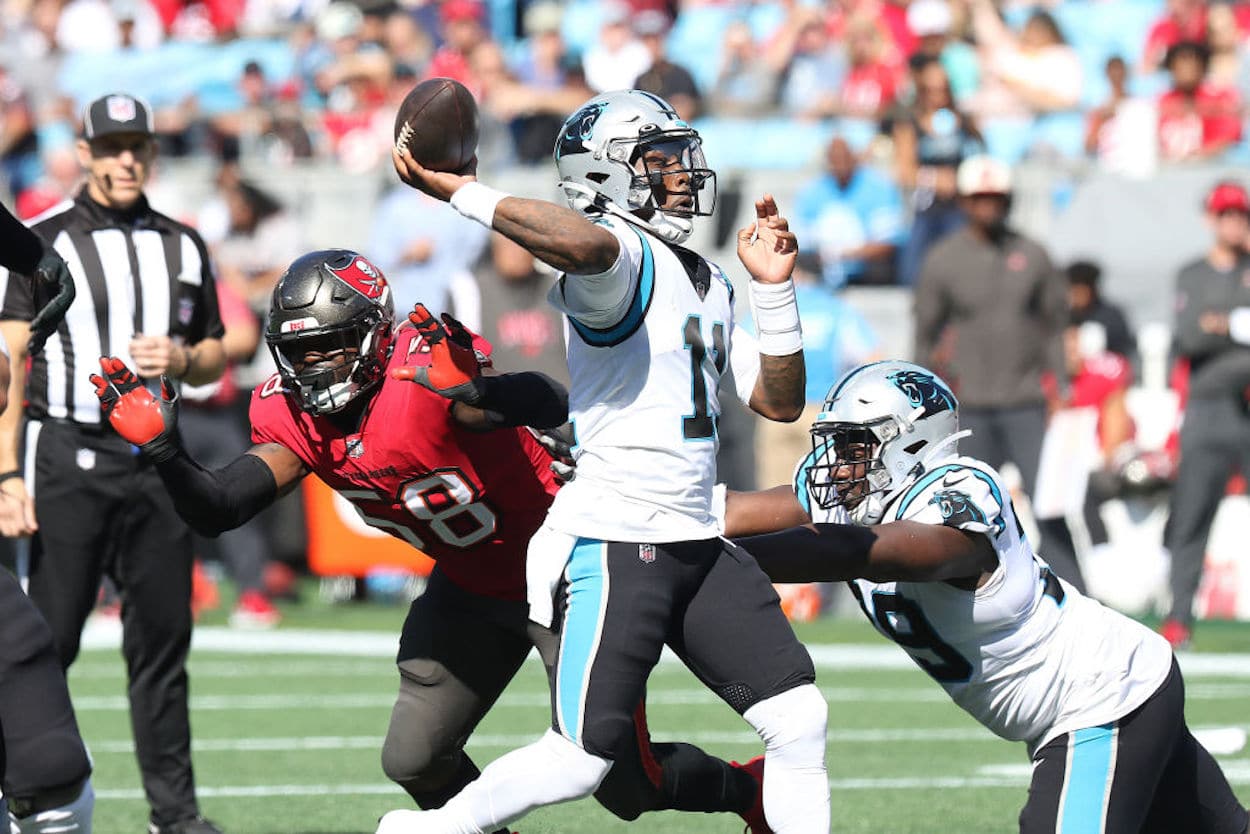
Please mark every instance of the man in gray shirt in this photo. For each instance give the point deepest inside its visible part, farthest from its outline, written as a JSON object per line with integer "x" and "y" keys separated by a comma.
{"x": 1212, "y": 332}
{"x": 990, "y": 314}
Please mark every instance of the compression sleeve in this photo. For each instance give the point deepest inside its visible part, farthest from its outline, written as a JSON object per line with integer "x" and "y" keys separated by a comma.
{"x": 828, "y": 553}
{"x": 527, "y": 398}
{"x": 20, "y": 248}
{"x": 212, "y": 502}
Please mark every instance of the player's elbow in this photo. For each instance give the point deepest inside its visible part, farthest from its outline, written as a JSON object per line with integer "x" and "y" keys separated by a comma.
{"x": 778, "y": 412}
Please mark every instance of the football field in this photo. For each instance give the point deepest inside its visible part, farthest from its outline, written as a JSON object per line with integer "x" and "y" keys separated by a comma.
{"x": 288, "y": 726}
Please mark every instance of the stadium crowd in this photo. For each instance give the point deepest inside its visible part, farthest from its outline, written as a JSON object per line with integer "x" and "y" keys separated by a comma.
{"x": 892, "y": 96}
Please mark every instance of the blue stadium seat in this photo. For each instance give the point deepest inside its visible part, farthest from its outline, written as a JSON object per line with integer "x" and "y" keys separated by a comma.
{"x": 772, "y": 144}
{"x": 696, "y": 40}
{"x": 1007, "y": 139}
{"x": 580, "y": 27}
{"x": 1062, "y": 132}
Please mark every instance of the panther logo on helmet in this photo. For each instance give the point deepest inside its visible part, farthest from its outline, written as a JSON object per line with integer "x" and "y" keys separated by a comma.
{"x": 923, "y": 390}
{"x": 579, "y": 127}
{"x": 957, "y": 509}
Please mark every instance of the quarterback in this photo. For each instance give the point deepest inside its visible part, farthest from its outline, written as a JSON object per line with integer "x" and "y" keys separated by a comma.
{"x": 629, "y": 558}
{"x": 931, "y": 546}
{"x": 463, "y": 482}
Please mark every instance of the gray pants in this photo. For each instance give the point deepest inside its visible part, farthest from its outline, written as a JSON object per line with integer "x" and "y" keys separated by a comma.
{"x": 1215, "y": 443}
{"x": 1015, "y": 434}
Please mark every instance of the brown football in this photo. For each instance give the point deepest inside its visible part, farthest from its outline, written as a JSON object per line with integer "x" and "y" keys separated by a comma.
{"x": 437, "y": 122}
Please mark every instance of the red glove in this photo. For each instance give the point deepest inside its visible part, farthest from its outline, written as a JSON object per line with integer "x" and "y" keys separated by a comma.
{"x": 455, "y": 368}
{"x": 134, "y": 413}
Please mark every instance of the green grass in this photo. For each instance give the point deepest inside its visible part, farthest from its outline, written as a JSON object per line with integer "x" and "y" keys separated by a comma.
{"x": 312, "y": 727}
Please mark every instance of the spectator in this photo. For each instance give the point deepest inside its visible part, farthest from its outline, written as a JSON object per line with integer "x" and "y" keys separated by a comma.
{"x": 811, "y": 66}
{"x": 930, "y": 21}
{"x": 1183, "y": 21}
{"x": 617, "y": 58}
{"x": 463, "y": 29}
{"x": 405, "y": 41}
{"x": 745, "y": 85}
{"x": 1196, "y": 119}
{"x": 1212, "y": 333}
{"x": 1120, "y": 133}
{"x": 853, "y": 216}
{"x": 1100, "y": 118}
{"x": 871, "y": 82}
{"x": 426, "y": 249}
{"x": 20, "y": 165}
{"x": 990, "y": 314}
{"x": 1087, "y": 307}
{"x": 671, "y": 82}
{"x": 1227, "y": 66}
{"x": 526, "y": 331}
{"x": 930, "y": 141}
{"x": 1035, "y": 72}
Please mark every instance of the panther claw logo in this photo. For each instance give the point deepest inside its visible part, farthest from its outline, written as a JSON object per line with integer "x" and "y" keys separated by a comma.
{"x": 957, "y": 509}
{"x": 923, "y": 390}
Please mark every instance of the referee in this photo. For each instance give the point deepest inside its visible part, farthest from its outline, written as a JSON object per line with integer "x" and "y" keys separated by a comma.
{"x": 52, "y": 791}
{"x": 91, "y": 504}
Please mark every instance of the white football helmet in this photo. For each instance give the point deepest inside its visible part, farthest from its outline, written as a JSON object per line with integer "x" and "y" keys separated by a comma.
{"x": 880, "y": 428}
{"x": 602, "y": 156}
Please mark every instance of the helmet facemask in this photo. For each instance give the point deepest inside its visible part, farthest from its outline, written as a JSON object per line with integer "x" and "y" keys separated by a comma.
{"x": 848, "y": 469}
{"x": 328, "y": 385}
{"x": 670, "y": 182}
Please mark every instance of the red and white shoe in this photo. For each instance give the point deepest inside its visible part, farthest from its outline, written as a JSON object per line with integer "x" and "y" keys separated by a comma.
{"x": 754, "y": 816}
{"x": 1177, "y": 633}
{"x": 255, "y": 611}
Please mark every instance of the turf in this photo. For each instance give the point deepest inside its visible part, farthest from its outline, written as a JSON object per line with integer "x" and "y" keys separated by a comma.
{"x": 290, "y": 743}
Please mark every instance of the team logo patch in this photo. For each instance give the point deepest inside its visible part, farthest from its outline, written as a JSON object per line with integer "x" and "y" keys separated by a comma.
{"x": 120, "y": 108}
{"x": 364, "y": 278}
{"x": 957, "y": 509}
{"x": 578, "y": 129}
{"x": 355, "y": 446}
{"x": 186, "y": 311}
{"x": 86, "y": 459}
{"x": 646, "y": 553}
{"x": 923, "y": 390}
{"x": 295, "y": 325}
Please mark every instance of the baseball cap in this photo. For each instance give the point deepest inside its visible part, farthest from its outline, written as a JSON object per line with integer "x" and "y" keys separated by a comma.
{"x": 1228, "y": 196}
{"x": 983, "y": 175}
{"x": 929, "y": 17}
{"x": 116, "y": 113}
{"x": 453, "y": 10}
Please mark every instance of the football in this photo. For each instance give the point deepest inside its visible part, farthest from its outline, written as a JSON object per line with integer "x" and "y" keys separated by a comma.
{"x": 438, "y": 123}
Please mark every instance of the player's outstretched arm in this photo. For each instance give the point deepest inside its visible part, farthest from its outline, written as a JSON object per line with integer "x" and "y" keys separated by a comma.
{"x": 900, "y": 551}
{"x": 210, "y": 501}
{"x": 482, "y": 402}
{"x": 769, "y": 250}
{"x": 558, "y": 236}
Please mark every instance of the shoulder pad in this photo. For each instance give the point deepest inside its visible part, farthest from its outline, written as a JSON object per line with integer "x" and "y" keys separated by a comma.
{"x": 958, "y": 495}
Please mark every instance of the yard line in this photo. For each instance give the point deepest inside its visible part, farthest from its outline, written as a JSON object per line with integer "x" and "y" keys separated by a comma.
{"x": 383, "y": 644}
{"x": 533, "y": 700}
{"x": 247, "y": 667}
{"x": 1010, "y": 776}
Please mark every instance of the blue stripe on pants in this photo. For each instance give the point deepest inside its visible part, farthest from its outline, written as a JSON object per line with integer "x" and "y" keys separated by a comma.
{"x": 587, "y": 590}
{"x": 1091, "y": 761}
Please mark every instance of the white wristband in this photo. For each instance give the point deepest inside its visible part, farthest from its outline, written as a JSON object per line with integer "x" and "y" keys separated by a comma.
{"x": 776, "y": 317}
{"x": 1239, "y": 325}
{"x": 477, "y": 202}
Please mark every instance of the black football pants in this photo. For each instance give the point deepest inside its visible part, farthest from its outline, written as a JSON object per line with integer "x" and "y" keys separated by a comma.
{"x": 102, "y": 510}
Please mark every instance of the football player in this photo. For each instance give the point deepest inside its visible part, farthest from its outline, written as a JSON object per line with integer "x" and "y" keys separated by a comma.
{"x": 453, "y": 473}
{"x": 931, "y": 546}
{"x": 629, "y": 558}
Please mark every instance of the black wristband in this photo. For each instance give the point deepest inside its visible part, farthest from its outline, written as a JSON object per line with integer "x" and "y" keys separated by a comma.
{"x": 10, "y": 475}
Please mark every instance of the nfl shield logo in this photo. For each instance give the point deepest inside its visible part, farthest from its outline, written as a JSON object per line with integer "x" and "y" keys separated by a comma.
{"x": 355, "y": 446}
{"x": 120, "y": 108}
{"x": 186, "y": 311}
{"x": 646, "y": 553}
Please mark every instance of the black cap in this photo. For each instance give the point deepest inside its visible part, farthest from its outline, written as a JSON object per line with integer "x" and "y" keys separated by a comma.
{"x": 116, "y": 113}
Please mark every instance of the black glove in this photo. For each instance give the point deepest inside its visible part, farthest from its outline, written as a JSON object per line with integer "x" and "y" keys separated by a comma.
{"x": 51, "y": 277}
{"x": 559, "y": 444}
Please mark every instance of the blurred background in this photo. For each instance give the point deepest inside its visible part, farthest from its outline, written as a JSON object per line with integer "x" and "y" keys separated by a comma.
{"x": 275, "y": 121}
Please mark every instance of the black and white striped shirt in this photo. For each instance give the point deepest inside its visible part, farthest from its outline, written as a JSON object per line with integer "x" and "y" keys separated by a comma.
{"x": 136, "y": 271}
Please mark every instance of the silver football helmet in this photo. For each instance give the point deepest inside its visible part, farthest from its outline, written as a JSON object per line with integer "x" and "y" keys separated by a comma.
{"x": 330, "y": 302}
{"x": 627, "y": 152}
{"x": 880, "y": 428}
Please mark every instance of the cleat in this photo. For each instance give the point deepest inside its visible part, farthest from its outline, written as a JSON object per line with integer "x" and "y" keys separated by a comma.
{"x": 1179, "y": 635}
{"x": 254, "y": 611}
{"x": 754, "y": 816}
{"x": 195, "y": 825}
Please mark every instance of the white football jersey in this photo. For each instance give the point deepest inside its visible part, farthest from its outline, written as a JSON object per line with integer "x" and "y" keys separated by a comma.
{"x": 644, "y": 395}
{"x": 1028, "y": 655}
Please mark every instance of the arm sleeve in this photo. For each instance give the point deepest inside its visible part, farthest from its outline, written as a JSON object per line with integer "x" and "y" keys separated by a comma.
{"x": 527, "y": 398}
{"x": 213, "y": 501}
{"x": 20, "y": 248}
{"x": 604, "y": 301}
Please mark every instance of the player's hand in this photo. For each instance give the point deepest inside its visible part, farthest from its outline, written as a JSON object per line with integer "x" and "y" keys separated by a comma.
{"x": 454, "y": 371}
{"x": 559, "y": 444}
{"x": 51, "y": 277}
{"x": 134, "y": 413}
{"x": 17, "y": 509}
{"x": 438, "y": 184}
{"x": 158, "y": 355}
{"x": 767, "y": 247}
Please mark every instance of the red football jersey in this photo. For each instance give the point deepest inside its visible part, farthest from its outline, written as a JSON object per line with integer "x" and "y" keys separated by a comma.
{"x": 470, "y": 500}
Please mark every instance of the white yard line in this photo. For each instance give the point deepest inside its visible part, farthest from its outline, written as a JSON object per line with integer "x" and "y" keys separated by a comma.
{"x": 363, "y": 644}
